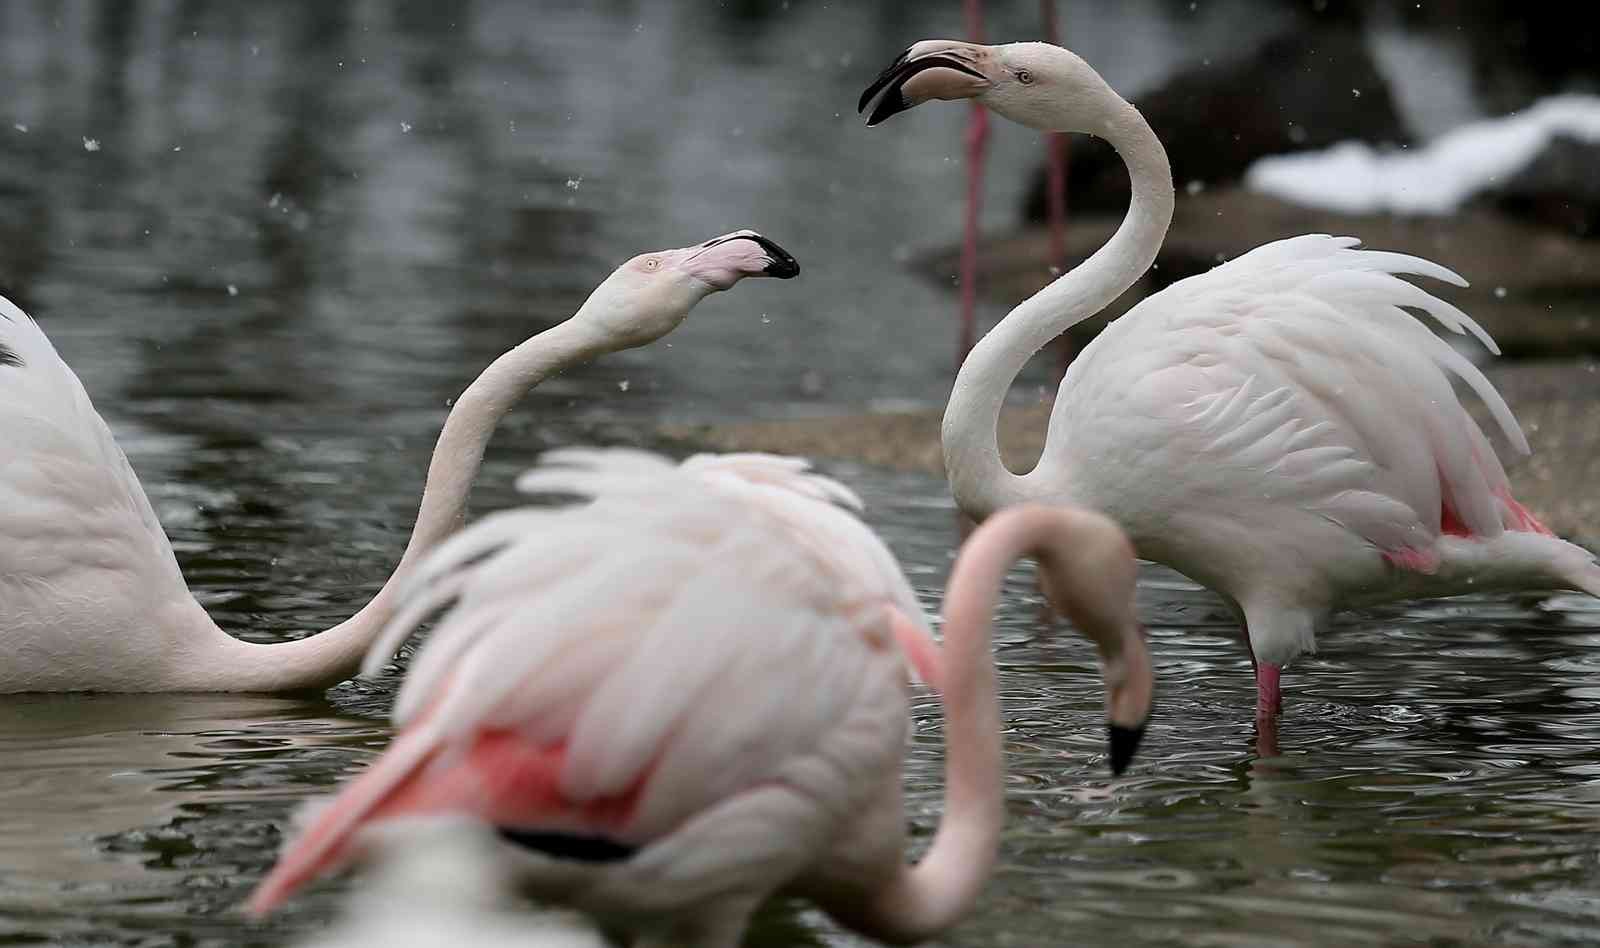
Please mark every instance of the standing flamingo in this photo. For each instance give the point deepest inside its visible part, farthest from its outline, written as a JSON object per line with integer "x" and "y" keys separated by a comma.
{"x": 690, "y": 694}
{"x": 1280, "y": 429}
{"x": 91, "y": 598}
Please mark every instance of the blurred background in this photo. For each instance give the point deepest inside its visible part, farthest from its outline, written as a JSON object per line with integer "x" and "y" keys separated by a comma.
{"x": 275, "y": 240}
{"x": 352, "y": 206}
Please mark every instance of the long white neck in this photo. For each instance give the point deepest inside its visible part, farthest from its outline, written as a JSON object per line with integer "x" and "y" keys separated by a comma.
{"x": 979, "y": 478}
{"x": 329, "y": 657}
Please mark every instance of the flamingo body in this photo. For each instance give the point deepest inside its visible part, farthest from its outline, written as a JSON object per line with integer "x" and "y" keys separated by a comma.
{"x": 83, "y": 559}
{"x": 1298, "y": 443}
{"x": 682, "y": 584}
{"x": 691, "y": 693}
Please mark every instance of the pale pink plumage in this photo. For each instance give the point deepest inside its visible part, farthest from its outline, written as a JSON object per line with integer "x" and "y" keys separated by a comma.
{"x": 1283, "y": 428}
{"x": 704, "y": 664}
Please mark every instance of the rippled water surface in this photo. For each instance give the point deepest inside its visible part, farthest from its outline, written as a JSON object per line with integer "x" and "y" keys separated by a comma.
{"x": 304, "y": 229}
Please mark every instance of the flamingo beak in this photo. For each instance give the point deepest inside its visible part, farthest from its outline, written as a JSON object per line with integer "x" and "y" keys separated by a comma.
{"x": 1130, "y": 700}
{"x": 1123, "y": 745}
{"x": 724, "y": 261}
{"x": 932, "y": 69}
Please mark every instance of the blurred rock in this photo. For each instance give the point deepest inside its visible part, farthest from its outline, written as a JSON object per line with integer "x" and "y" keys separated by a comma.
{"x": 1298, "y": 91}
{"x": 1559, "y": 188}
{"x": 1543, "y": 300}
{"x": 1558, "y": 404}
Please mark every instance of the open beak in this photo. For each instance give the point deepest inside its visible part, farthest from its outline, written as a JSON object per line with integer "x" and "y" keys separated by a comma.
{"x": 932, "y": 69}
{"x": 723, "y": 261}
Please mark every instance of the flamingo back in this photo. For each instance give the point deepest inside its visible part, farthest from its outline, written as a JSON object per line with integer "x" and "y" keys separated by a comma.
{"x": 82, "y": 555}
{"x": 691, "y": 633}
{"x": 1297, "y": 377}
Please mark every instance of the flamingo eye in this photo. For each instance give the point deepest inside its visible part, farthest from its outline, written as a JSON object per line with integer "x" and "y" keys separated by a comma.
{"x": 1025, "y": 77}
{"x": 653, "y": 263}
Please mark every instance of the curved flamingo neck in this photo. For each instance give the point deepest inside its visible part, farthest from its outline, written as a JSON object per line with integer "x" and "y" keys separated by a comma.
{"x": 324, "y": 659}
{"x": 923, "y": 900}
{"x": 978, "y": 477}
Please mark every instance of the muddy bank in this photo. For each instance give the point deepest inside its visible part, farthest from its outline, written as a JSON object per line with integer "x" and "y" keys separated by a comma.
{"x": 1558, "y": 403}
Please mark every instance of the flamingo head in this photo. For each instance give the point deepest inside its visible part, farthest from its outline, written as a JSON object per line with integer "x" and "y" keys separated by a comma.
{"x": 1034, "y": 84}
{"x": 648, "y": 296}
{"x": 1092, "y": 581}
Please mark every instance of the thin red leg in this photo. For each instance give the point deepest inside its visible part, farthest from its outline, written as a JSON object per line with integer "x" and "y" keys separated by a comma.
{"x": 977, "y": 139}
{"x": 1269, "y": 696}
{"x": 1056, "y": 194}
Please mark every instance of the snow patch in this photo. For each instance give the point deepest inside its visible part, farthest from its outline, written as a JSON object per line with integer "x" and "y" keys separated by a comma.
{"x": 1438, "y": 178}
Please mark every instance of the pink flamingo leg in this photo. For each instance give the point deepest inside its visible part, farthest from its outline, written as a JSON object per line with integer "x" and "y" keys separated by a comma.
{"x": 1056, "y": 193}
{"x": 1269, "y": 696}
{"x": 977, "y": 139}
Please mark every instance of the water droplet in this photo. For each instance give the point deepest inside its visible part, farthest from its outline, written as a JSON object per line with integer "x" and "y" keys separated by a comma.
{"x": 1356, "y": 93}
{"x": 405, "y": 128}
{"x": 574, "y": 183}
{"x": 233, "y": 290}
{"x": 622, "y": 386}
{"x": 1194, "y": 187}
{"x": 21, "y": 128}
{"x": 91, "y": 144}
{"x": 1500, "y": 292}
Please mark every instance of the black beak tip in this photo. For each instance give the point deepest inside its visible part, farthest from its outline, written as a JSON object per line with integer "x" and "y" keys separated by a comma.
{"x": 892, "y": 104}
{"x": 780, "y": 263}
{"x": 1123, "y": 745}
{"x": 884, "y": 78}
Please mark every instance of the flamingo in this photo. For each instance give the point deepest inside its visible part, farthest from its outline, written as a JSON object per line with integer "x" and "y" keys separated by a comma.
{"x": 91, "y": 598}
{"x": 691, "y": 693}
{"x": 439, "y": 884}
{"x": 1281, "y": 429}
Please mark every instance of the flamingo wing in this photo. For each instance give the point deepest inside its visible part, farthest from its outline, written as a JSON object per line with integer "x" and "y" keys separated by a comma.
{"x": 615, "y": 669}
{"x": 1298, "y": 375}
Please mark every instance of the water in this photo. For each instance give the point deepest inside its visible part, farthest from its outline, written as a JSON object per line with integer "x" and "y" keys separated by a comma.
{"x": 396, "y": 194}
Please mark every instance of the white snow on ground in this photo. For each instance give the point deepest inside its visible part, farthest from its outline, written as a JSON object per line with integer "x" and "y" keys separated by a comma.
{"x": 1433, "y": 179}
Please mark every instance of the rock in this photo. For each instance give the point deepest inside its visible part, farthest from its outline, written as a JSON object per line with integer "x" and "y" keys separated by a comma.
{"x": 1558, "y": 404}
{"x": 1543, "y": 300}
{"x": 1301, "y": 90}
{"x": 1558, "y": 189}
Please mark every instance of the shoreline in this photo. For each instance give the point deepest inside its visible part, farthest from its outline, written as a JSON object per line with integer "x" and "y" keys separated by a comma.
{"x": 1556, "y": 401}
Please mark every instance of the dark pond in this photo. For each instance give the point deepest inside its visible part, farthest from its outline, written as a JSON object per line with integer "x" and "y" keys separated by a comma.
{"x": 304, "y": 227}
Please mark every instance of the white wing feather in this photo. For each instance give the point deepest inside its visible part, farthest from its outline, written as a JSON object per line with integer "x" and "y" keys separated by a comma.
{"x": 710, "y": 622}
{"x": 1299, "y": 374}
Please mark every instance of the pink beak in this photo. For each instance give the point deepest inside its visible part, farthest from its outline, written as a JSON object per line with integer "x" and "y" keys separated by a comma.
{"x": 932, "y": 69}
{"x": 723, "y": 261}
